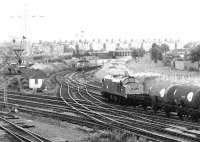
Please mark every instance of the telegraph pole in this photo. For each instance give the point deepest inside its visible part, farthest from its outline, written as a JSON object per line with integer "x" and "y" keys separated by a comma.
{"x": 25, "y": 20}
{"x": 25, "y": 17}
{"x": 5, "y": 93}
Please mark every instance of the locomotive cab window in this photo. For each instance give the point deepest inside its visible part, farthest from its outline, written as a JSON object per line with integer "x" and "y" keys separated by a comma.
{"x": 129, "y": 80}
{"x": 131, "y": 83}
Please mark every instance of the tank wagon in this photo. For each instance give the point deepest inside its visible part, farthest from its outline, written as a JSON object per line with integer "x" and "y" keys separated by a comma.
{"x": 157, "y": 93}
{"x": 183, "y": 99}
{"x": 119, "y": 88}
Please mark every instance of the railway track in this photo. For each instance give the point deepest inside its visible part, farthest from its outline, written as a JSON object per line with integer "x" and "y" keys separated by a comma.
{"x": 118, "y": 125}
{"x": 48, "y": 107}
{"x": 56, "y": 113}
{"x": 18, "y": 133}
{"x": 50, "y": 102}
{"x": 157, "y": 123}
{"x": 22, "y": 135}
{"x": 133, "y": 110}
{"x": 100, "y": 114}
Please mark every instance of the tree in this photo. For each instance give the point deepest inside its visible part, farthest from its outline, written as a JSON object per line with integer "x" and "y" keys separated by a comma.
{"x": 117, "y": 46}
{"x": 137, "y": 53}
{"x": 134, "y": 54}
{"x": 77, "y": 52}
{"x": 156, "y": 52}
{"x": 112, "y": 40}
{"x": 7, "y": 54}
{"x": 91, "y": 47}
{"x": 164, "y": 48}
{"x": 195, "y": 54}
{"x": 189, "y": 45}
{"x": 141, "y": 52}
{"x": 104, "y": 46}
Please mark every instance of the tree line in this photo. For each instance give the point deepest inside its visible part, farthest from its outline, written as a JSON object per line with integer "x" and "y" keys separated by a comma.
{"x": 157, "y": 51}
{"x": 137, "y": 52}
{"x": 194, "y": 55}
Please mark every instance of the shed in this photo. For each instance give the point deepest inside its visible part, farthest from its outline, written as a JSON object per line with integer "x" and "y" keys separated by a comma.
{"x": 36, "y": 78}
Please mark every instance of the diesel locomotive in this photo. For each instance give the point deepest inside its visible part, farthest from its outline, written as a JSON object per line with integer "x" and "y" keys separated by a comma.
{"x": 184, "y": 99}
{"x": 122, "y": 89}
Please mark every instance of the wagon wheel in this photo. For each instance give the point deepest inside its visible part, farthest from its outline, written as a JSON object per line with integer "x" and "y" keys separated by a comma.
{"x": 195, "y": 116}
{"x": 123, "y": 101}
{"x": 111, "y": 98}
{"x": 115, "y": 99}
{"x": 144, "y": 105}
{"x": 155, "y": 108}
{"x": 155, "y": 105}
{"x": 180, "y": 113}
{"x": 167, "y": 111}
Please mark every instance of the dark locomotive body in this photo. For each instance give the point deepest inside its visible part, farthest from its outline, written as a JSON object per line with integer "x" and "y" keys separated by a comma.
{"x": 123, "y": 89}
{"x": 184, "y": 99}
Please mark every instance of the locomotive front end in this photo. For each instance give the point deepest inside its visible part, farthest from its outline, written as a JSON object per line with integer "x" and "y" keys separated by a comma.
{"x": 121, "y": 88}
{"x": 132, "y": 86}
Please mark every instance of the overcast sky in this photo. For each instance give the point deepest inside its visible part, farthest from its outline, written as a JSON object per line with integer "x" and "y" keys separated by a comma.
{"x": 65, "y": 19}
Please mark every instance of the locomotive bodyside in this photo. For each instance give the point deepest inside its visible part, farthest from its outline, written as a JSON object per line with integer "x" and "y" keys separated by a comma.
{"x": 113, "y": 86}
{"x": 123, "y": 88}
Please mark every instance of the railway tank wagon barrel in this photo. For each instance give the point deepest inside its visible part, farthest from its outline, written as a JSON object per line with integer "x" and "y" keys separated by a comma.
{"x": 187, "y": 98}
{"x": 169, "y": 104}
{"x": 157, "y": 92}
{"x": 169, "y": 96}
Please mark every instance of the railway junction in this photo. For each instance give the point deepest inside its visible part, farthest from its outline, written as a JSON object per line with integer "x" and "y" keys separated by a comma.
{"x": 75, "y": 110}
{"x": 99, "y": 71}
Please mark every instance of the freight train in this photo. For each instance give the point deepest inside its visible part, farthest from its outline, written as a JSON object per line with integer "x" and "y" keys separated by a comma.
{"x": 184, "y": 99}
